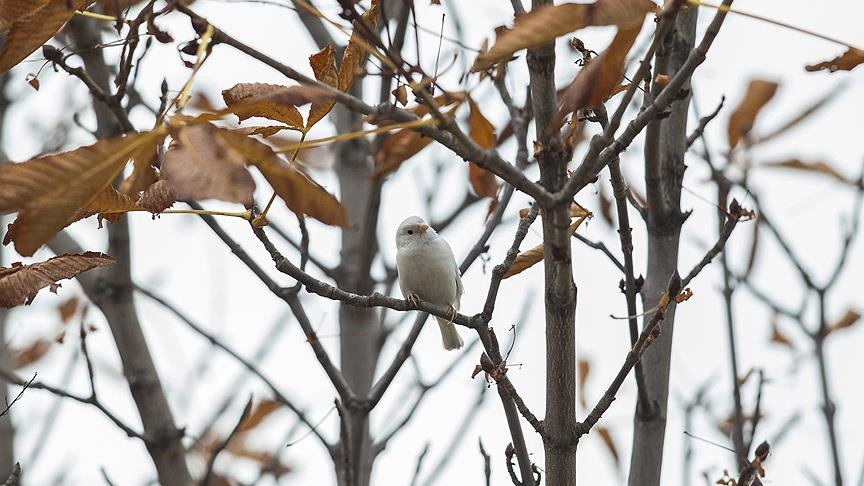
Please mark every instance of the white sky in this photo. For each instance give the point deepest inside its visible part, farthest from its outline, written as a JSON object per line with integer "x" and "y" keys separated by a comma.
{"x": 181, "y": 259}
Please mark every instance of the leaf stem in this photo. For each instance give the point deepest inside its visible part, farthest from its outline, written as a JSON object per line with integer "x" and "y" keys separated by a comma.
{"x": 98, "y": 16}
{"x": 724, "y": 8}
{"x": 247, "y": 215}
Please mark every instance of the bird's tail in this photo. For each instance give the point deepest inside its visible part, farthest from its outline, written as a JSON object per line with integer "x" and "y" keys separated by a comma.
{"x": 449, "y": 334}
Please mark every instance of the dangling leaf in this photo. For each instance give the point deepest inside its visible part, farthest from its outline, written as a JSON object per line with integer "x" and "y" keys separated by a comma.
{"x": 158, "y": 197}
{"x": 848, "y": 320}
{"x": 813, "y": 167}
{"x": 109, "y": 201}
{"x": 31, "y": 24}
{"x": 759, "y": 93}
{"x": 396, "y": 149}
{"x": 545, "y": 24}
{"x": 20, "y": 283}
{"x": 272, "y": 101}
{"x": 324, "y": 66}
{"x": 356, "y": 52}
{"x": 261, "y": 411}
{"x": 483, "y": 133}
{"x": 847, "y": 61}
{"x": 598, "y": 80}
{"x": 528, "y": 259}
{"x": 48, "y": 191}
{"x": 301, "y": 194}
{"x": 200, "y": 164}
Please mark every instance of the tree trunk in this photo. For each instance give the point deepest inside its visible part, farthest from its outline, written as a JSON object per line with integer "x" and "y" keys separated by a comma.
{"x": 7, "y": 432}
{"x": 560, "y": 291}
{"x": 665, "y": 145}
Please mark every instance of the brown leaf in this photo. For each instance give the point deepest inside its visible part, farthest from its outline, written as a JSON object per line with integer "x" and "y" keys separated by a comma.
{"x": 483, "y": 133}
{"x": 31, "y": 354}
{"x": 527, "y": 259}
{"x": 201, "y": 164}
{"x": 158, "y": 197}
{"x": 261, "y": 411}
{"x": 759, "y": 93}
{"x": 596, "y": 81}
{"x": 545, "y": 24}
{"x": 847, "y": 61}
{"x": 20, "y": 283}
{"x": 68, "y": 308}
{"x": 777, "y": 336}
{"x": 324, "y": 66}
{"x": 31, "y": 24}
{"x": 271, "y": 101}
{"x": 606, "y": 437}
{"x": 48, "y": 191}
{"x": 848, "y": 320}
{"x": 143, "y": 171}
{"x": 818, "y": 167}
{"x": 396, "y": 149}
{"x": 301, "y": 194}
{"x": 109, "y": 201}
{"x": 400, "y": 93}
{"x": 584, "y": 370}
{"x": 356, "y": 53}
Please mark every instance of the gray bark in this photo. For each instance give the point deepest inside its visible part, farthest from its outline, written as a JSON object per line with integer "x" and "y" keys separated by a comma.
{"x": 111, "y": 290}
{"x": 7, "y": 432}
{"x": 665, "y": 146}
{"x": 560, "y": 291}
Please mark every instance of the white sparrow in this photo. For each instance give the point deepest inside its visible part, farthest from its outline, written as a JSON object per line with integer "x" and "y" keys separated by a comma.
{"x": 428, "y": 272}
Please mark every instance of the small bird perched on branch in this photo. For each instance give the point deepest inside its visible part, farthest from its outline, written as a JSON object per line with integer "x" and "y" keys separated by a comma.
{"x": 428, "y": 272}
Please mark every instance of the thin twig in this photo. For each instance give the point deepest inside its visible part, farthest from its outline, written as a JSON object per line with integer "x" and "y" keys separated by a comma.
{"x": 222, "y": 445}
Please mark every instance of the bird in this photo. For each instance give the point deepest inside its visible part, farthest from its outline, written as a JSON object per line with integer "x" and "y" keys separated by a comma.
{"x": 428, "y": 272}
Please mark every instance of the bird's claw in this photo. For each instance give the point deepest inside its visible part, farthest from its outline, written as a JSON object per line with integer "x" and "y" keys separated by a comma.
{"x": 451, "y": 313}
{"x": 414, "y": 299}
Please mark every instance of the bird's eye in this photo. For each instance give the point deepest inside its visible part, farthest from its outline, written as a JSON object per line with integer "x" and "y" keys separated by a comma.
{"x": 410, "y": 232}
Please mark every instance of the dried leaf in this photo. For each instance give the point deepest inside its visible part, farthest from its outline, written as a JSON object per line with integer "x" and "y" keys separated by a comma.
{"x": 261, "y": 411}
{"x": 356, "y": 53}
{"x": 68, "y": 308}
{"x": 545, "y": 24}
{"x": 109, "y": 201}
{"x": 31, "y": 354}
{"x": 584, "y": 370}
{"x": 818, "y": 167}
{"x": 157, "y": 198}
{"x": 396, "y": 149}
{"x": 324, "y": 66}
{"x": 20, "y": 283}
{"x": 31, "y": 24}
{"x": 759, "y": 93}
{"x": 606, "y": 437}
{"x": 401, "y": 94}
{"x": 596, "y": 81}
{"x": 201, "y": 164}
{"x": 483, "y": 133}
{"x": 272, "y": 101}
{"x": 743, "y": 379}
{"x": 301, "y": 194}
{"x": 48, "y": 191}
{"x": 847, "y": 61}
{"x": 848, "y": 320}
{"x": 777, "y": 336}
{"x": 528, "y": 259}
{"x": 143, "y": 171}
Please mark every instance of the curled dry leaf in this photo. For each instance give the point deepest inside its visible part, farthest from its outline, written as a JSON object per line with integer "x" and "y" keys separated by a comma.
{"x": 396, "y": 149}
{"x": 482, "y": 132}
{"x": 20, "y": 283}
{"x": 545, "y": 24}
{"x": 528, "y": 259}
{"x": 29, "y": 24}
{"x": 323, "y": 64}
{"x": 817, "y": 167}
{"x": 357, "y": 51}
{"x": 301, "y": 194}
{"x": 401, "y": 94}
{"x": 157, "y": 198}
{"x": 599, "y": 79}
{"x": 759, "y": 93}
{"x": 201, "y": 164}
{"x": 272, "y": 101}
{"x": 847, "y": 61}
{"x": 109, "y": 204}
{"x": 48, "y": 191}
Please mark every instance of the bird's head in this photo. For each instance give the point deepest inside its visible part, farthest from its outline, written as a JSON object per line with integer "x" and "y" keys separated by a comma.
{"x": 413, "y": 231}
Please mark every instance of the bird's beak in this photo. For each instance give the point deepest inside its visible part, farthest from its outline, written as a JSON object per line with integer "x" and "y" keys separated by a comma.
{"x": 422, "y": 228}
